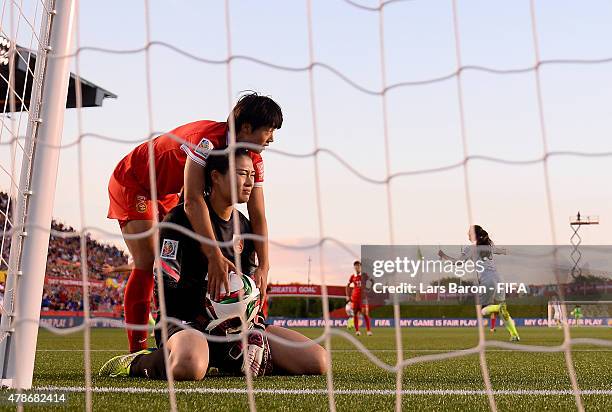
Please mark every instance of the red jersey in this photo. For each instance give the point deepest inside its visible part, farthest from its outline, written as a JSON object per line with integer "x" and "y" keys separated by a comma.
{"x": 195, "y": 140}
{"x": 356, "y": 294}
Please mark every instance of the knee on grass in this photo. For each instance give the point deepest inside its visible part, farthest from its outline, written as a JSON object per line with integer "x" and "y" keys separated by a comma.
{"x": 318, "y": 362}
{"x": 188, "y": 366}
{"x": 188, "y": 355}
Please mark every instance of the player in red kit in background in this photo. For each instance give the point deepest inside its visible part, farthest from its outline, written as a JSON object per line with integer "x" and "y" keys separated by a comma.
{"x": 358, "y": 298}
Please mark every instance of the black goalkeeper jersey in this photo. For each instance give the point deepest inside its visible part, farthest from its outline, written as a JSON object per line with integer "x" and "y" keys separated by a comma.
{"x": 184, "y": 266}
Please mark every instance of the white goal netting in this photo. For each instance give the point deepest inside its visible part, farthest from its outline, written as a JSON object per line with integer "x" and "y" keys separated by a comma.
{"x": 377, "y": 91}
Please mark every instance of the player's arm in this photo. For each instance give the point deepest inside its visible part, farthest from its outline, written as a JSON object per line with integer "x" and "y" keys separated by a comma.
{"x": 465, "y": 254}
{"x": 259, "y": 225}
{"x": 198, "y": 215}
{"x": 444, "y": 256}
{"x": 348, "y": 290}
{"x": 106, "y": 268}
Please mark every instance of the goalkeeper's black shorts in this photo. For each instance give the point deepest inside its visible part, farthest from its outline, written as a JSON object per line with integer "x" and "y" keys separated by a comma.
{"x": 225, "y": 356}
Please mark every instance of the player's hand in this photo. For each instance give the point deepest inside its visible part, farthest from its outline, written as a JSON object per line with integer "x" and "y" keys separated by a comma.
{"x": 261, "y": 280}
{"x": 218, "y": 268}
{"x": 106, "y": 268}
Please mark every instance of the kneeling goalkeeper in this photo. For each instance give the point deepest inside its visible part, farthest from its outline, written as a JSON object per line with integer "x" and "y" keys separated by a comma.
{"x": 184, "y": 275}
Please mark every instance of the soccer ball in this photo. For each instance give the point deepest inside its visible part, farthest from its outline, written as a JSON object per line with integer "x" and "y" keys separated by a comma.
{"x": 349, "y": 309}
{"x": 225, "y": 313}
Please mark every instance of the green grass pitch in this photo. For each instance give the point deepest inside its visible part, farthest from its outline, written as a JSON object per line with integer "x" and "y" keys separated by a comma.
{"x": 59, "y": 363}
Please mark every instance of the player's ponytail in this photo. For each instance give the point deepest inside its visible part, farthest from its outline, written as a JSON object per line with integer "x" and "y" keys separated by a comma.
{"x": 484, "y": 243}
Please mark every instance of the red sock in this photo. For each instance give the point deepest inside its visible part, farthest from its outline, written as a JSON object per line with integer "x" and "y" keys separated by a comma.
{"x": 356, "y": 319}
{"x": 367, "y": 321}
{"x": 136, "y": 303}
{"x": 493, "y": 319}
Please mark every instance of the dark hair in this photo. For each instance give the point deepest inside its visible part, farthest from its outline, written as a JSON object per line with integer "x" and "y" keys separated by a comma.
{"x": 483, "y": 239}
{"x": 356, "y": 263}
{"x": 220, "y": 163}
{"x": 258, "y": 111}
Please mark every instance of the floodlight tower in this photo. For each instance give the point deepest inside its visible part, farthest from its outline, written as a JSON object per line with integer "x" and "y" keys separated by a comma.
{"x": 576, "y": 222}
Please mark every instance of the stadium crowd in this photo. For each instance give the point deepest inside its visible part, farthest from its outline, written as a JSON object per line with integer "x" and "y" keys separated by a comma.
{"x": 63, "y": 290}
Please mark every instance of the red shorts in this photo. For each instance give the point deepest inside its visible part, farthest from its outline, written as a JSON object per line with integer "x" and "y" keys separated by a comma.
{"x": 359, "y": 306}
{"x": 127, "y": 203}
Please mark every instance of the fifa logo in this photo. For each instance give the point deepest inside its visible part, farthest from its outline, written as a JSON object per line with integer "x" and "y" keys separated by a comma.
{"x": 169, "y": 249}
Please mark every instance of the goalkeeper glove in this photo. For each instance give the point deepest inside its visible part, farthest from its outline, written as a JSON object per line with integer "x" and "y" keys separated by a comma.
{"x": 258, "y": 357}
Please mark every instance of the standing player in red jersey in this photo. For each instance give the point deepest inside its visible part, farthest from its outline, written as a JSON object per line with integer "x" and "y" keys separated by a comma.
{"x": 180, "y": 158}
{"x": 357, "y": 297}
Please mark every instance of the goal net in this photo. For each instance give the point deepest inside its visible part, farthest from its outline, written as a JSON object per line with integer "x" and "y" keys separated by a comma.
{"x": 579, "y": 313}
{"x": 34, "y": 86}
{"x": 364, "y": 162}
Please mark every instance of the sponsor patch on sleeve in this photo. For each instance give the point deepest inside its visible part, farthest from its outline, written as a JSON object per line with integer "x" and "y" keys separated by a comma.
{"x": 169, "y": 249}
{"x": 204, "y": 148}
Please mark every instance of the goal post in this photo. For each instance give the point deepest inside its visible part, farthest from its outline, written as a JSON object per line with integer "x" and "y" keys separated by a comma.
{"x": 35, "y": 196}
{"x": 590, "y": 313}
